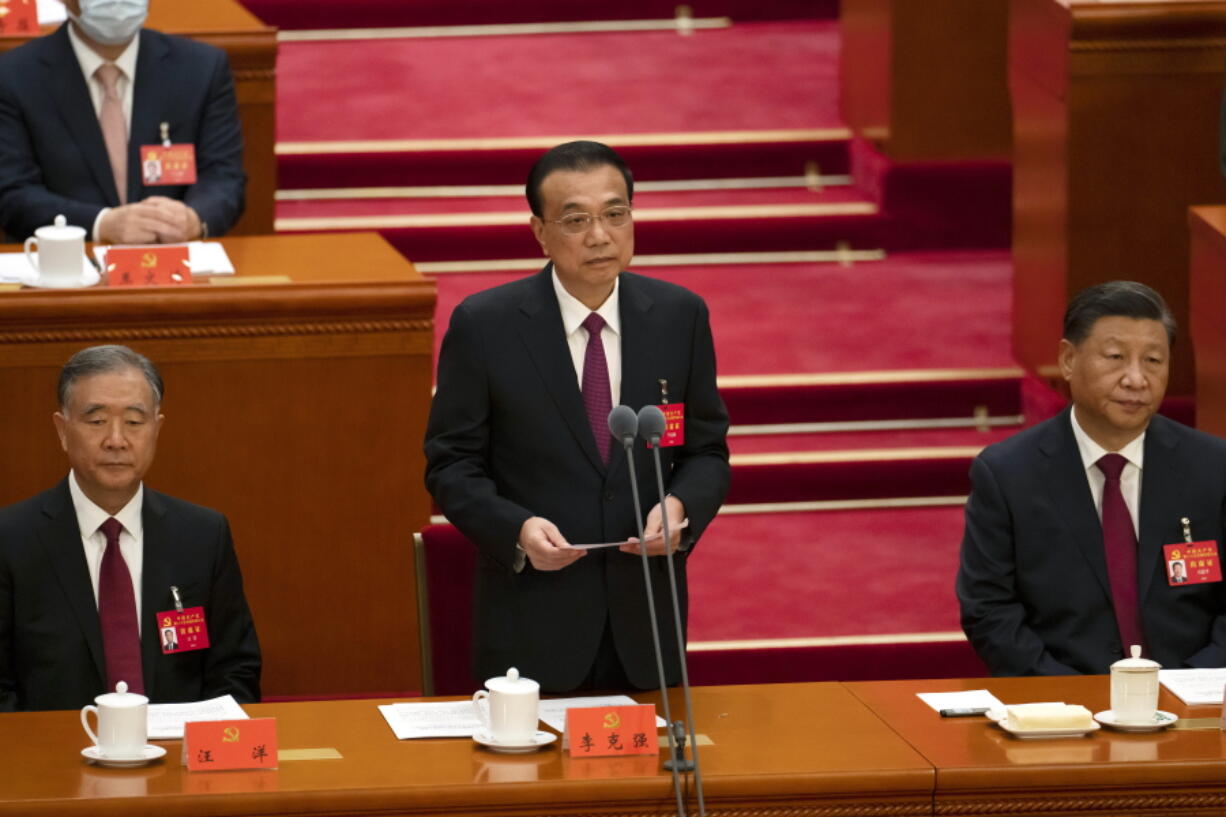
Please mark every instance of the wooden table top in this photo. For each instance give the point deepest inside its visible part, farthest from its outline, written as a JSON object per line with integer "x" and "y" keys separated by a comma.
{"x": 808, "y": 742}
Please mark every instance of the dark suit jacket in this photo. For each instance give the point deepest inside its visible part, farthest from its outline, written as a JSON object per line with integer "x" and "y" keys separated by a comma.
{"x": 1033, "y": 582}
{"x": 508, "y": 438}
{"x": 50, "y": 637}
{"x": 52, "y": 156}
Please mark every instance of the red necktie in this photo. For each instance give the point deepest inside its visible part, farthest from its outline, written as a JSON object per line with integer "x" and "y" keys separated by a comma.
{"x": 117, "y": 614}
{"x": 1120, "y": 546}
{"x": 597, "y": 395}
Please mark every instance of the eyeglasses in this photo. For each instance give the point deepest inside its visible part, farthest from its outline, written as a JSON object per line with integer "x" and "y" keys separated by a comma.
{"x": 579, "y": 223}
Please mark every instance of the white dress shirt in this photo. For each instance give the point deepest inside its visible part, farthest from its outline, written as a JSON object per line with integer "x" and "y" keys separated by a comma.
{"x": 574, "y": 313}
{"x": 131, "y": 539}
{"x": 1130, "y": 477}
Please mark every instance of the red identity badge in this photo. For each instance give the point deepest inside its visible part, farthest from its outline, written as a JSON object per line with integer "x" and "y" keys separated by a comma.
{"x": 147, "y": 266}
{"x": 1192, "y": 563}
{"x": 601, "y": 731}
{"x": 214, "y": 746}
{"x": 183, "y": 630}
{"x": 18, "y": 18}
{"x": 167, "y": 164}
{"x": 674, "y": 424}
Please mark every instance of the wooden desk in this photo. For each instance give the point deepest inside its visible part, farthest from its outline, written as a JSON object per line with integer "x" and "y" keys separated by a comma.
{"x": 1207, "y": 294}
{"x": 927, "y": 80}
{"x": 1116, "y": 108}
{"x": 982, "y": 770}
{"x": 298, "y": 409}
{"x": 252, "y": 48}
{"x": 803, "y": 750}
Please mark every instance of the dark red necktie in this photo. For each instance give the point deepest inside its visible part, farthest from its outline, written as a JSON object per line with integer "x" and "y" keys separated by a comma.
{"x": 117, "y": 614}
{"x": 1120, "y": 546}
{"x": 597, "y": 395}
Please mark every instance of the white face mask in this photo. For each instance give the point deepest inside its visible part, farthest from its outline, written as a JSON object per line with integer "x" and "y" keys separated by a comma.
{"x": 111, "y": 22}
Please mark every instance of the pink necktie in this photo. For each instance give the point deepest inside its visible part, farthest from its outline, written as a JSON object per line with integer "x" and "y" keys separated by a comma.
{"x": 597, "y": 395}
{"x": 1120, "y": 546}
{"x": 117, "y": 614}
{"x": 114, "y": 126}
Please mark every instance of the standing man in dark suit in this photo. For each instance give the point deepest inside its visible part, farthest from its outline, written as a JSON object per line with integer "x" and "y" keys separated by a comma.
{"x": 77, "y": 105}
{"x": 519, "y": 456}
{"x": 94, "y": 569}
{"x": 1065, "y": 554}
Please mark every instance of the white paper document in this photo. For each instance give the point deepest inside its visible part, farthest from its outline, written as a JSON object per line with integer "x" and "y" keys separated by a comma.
{"x": 15, "y": 269}
{"x": 1195, "y": 687}
{"x": 166, "y": 720}
{"x": 965, "y": 699}
{"x": 448, "y": 719}
{"x": 685, "y": 523}
{"x": 553, "y": 712}
{"x": 204, "y": 257}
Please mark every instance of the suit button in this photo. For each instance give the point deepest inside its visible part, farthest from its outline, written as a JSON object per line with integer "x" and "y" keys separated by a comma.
{"x": 608, "y": 496}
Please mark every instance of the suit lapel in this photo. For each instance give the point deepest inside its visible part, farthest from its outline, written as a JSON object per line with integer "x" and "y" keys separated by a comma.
{"x": 1069, "y": 490}
{"x": 155, "y": 584}
{"x": 60, "y": 536}
{"x": 67, "y": 89}
{"x": 545, "y": 338}
{"x": 1161, "y": 478}
{"x": 148, "y": 106}
{"x": 639, "y": 336}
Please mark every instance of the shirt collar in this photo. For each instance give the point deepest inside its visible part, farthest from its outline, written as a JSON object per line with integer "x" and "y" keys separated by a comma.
{"x": 574, "y": 313}
{"x": 90, "y": 517}
{"x": 1092, "y": 452}
{"x": 90, "y": 60}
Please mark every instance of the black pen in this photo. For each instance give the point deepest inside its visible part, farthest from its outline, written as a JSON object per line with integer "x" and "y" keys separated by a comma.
{"x": 969, "y": 712}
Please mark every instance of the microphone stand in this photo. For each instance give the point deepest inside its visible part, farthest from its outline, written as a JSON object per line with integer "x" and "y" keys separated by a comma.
{"x": 627, "y": 440}
{"x": 678, "y": 761}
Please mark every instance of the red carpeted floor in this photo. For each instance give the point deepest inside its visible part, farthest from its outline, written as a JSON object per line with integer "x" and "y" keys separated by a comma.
{"x": 560, "y": 84}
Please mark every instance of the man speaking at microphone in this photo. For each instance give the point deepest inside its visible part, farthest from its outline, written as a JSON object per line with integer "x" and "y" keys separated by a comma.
{"x": 520, "y": 458}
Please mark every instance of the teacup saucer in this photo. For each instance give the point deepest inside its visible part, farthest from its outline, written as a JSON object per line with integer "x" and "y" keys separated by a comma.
{"x": 89, "y": 277}
{"x": 147, "y": 755}
{"x": 535, "y": 742}
{"x": 1161, "y": 721}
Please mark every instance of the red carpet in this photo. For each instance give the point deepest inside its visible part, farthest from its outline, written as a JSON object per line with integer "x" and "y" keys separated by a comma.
{"x": 547, "y": 85}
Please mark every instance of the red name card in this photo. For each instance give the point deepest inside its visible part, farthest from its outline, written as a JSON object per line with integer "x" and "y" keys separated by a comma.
{"x": 1192, "y": 563}
{"x": 214, "y": 746}
{"x": 147, "y": 266}
{"x": 18, "y": 18}
{"x": 168, "y": 164}
{"x": 602, "y": 731}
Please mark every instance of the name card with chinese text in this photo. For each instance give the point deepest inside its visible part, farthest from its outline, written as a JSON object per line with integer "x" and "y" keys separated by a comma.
{"x": 603, "y": 731}
{"x": 222, "y": 745}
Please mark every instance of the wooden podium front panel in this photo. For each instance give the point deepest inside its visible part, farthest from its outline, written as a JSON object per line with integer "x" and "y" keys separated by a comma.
{"x": 927, "y": 80}
{"x": 1116, "y": 133}
{"x": 804, "y": 750}
{"x": 297, "y": 409}
{"x": 983, "y": 770}
{"x": 1207, "y": 295}
{"x": 252, "y": 49}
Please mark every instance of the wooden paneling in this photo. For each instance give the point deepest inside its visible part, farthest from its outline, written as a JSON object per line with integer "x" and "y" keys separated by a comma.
{"x": 298, "y": 409}
{"x": 252, "y": 49}
{"x": 927, "y": 80}
{"x": 1116, "y": 130}
{"x": 1206, "y": 297}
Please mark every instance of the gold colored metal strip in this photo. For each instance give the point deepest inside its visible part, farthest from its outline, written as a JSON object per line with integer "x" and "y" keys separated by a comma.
{"x": 830, "y": 641}
{"x": 811, "y": 506}
{"x": 500, "y": 30}
{"x": 873, "y": 425}
{"x": 677, "y": 260}
{"x": 859, "y": 455}
{"x": 856, "y": 378}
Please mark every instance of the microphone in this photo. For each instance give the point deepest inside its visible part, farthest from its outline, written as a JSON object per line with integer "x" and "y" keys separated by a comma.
{"x": 651, "y": 428}
{"x": 623, "y": 425}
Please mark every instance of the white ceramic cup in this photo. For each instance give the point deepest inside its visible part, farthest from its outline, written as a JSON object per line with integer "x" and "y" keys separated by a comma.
{"x": 511, "y": 709}
{"x": 1134, "y": 688}
{"x": 61, "y": 253}
{"x": 123, "y": 722}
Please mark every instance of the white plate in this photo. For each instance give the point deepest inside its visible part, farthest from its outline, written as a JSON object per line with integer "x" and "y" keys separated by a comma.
{"x": 537, "y": 741}
{"x": 147, "y": 755}
{"x": 999, "y": 717}
{"x": 1161, "y": 721}
{"x": 89, "y": 277}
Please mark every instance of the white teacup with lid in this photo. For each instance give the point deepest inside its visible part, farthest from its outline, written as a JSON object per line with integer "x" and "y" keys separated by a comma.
{"x": 60, "y": 261}
{"x": 511, "y": 709}
{"x": 1134, "y": 688}
{"x": 123, "y": 723}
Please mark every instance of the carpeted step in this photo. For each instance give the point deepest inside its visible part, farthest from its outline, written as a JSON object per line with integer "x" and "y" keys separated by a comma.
{"x": 767, "y": 439}
{"x": 329, "y": 14}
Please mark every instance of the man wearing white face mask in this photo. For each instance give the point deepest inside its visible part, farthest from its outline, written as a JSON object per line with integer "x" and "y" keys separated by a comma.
{"x": 77, "y": 106}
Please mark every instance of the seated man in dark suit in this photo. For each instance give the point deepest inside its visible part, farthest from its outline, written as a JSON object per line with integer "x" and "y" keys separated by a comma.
{"x": 92, "y": 570}
{"x": 1064, "y": 564}
{"x": 77, "y": 105}
{"x": 519, "y": 454}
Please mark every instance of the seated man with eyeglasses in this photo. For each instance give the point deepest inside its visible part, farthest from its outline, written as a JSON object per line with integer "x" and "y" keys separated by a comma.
{"x": 519, "y": 455}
